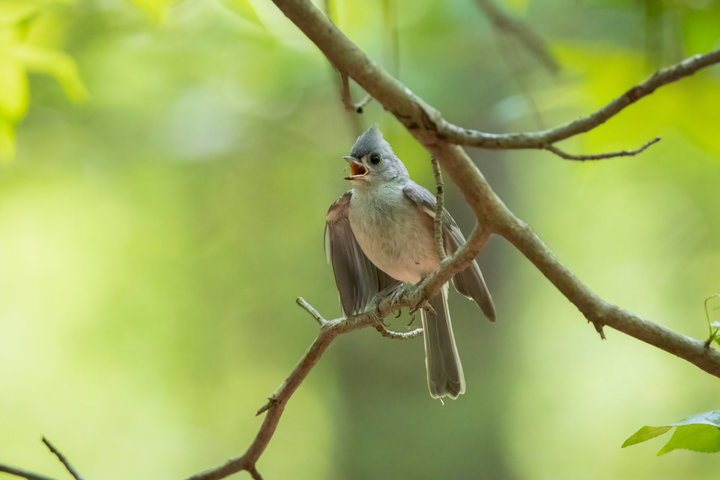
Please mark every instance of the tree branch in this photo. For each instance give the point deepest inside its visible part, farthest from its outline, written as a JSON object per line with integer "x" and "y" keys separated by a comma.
{"x": 599, "y": 311}
{"x": 19, "y": 472}
{"x": 600, "y": 156}
{"x": 311, "y": 310}
{"x": 62, "y": 459}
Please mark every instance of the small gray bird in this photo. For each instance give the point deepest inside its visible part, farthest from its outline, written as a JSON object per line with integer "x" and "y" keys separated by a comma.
{"x": 380, "y": 234}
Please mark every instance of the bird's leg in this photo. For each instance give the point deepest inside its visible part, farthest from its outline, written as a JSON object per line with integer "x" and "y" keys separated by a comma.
{"x": 374, "y": 304}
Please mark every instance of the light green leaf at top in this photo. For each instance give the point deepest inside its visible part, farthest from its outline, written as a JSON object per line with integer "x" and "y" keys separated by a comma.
{"x": 55, "y": 63}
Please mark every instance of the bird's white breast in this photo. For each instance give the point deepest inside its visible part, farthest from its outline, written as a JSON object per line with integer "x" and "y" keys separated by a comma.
{"x": 393, "y": 232}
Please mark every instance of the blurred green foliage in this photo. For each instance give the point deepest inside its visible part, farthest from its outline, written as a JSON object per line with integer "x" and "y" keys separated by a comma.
{"x": 154, "y": 237}
{"x": 31, "y": 33}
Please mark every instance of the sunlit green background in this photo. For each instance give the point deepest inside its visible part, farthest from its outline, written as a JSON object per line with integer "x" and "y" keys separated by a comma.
{"x": 165, "y": 206}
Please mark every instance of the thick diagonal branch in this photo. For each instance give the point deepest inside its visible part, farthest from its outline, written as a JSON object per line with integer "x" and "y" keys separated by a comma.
{"x": 600, "y": 312}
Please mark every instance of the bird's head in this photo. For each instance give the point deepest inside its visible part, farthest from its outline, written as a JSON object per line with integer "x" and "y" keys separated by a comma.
{"x": 372, "y": 160}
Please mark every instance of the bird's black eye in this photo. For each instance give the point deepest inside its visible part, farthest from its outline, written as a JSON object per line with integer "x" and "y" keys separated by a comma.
{"x": 375, "y": 158}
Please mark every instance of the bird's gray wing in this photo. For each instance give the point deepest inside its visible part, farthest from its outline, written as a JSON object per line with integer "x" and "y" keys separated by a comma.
{"x": 470, "y": 281}
{"x": 358, "y": 279}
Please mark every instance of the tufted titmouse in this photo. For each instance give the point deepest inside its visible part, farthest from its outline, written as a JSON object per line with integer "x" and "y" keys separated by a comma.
{"x": 380, "y": 234}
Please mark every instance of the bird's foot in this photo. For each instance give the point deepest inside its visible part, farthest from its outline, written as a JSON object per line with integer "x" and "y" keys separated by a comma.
{"x": 395, "y": 298}
{"x": 425, "y": 305}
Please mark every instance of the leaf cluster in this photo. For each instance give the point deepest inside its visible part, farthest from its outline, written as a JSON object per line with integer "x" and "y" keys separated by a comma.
{"x": 699, "y": 433}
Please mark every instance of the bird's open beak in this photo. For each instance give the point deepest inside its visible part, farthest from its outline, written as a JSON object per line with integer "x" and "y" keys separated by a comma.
{"x": 357, "y": 169}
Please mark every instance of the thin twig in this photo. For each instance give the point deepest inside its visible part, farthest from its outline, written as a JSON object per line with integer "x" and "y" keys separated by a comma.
{"x": 345, "y": 95}
{"x": 346, "y": 98}
{"x": 62, "y": 459}
{"x": 600, "y": 156}
{"x": 451, "y": 265}
{"x": 532, "y": 42}
{"x": 359, "y": 106}
{"x": 343, "y": 82}
{"x": 254, "y": 473}
{"x": 22, "y": 473}
{"x": 392, "y": 41}
{"x": 517, "y": 67}
{"x": 311, "y": 310}
{"x": 439, "y": 210}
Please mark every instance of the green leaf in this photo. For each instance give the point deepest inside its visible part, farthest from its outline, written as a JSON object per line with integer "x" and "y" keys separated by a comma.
{"x": 14, "y": 87}
{"x": 55, "y": 63}
{"x": 697, "y": 437}
{"x": 644, "y": 434}
{"x": 699, "y": 432}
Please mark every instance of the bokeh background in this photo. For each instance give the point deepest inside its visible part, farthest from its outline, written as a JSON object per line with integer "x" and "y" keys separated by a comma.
{"x": 165, "y": 202}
